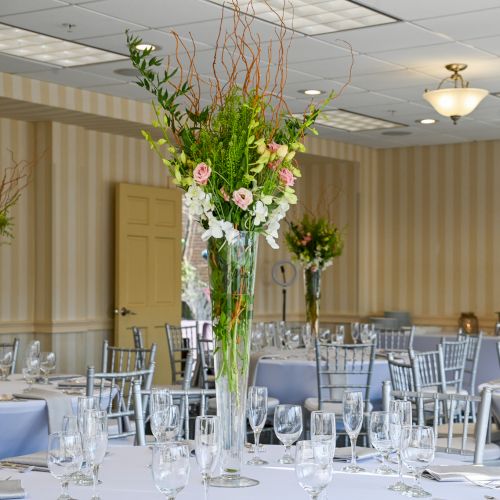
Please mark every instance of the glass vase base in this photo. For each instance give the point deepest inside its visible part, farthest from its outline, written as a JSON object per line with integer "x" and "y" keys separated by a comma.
{"x": 384, "y": 470}
{"x": 416, "y": 492}
{"x": 399, "y": 486}
{"x": 230, "y": 481}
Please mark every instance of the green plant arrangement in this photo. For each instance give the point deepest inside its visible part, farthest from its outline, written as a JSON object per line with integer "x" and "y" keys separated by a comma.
{"x": 314, "y": 242}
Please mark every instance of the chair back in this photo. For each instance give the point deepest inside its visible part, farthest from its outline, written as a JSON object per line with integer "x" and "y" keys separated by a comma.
{"x": 428, "y": 371}
{"x": 401, "y": 374}
{"x": 341, "y": 367}
{"x": 181, "y": 341}
{"x": 138, "y": 340}
{"x": 125, "y": 359}
{"x": 472, "y": 359}
{"x": 191, "y": 402}
{"x": 115, "y": 393}
{"x": 452, "y": 437}
{"x": 206, "y": 371}
{"x": 14, "y": 345}
{"x": 398, "y": 340}
{"x": 454, "y": 354}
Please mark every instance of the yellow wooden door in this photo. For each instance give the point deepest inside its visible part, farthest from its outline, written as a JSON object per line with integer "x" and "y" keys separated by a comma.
{"x": 148, "y": 267}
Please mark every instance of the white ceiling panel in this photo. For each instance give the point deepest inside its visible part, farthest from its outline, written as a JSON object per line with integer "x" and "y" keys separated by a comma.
{"x": 382, "y": 38}
{"x": 396, "y": 79}
{"x": 421, "y": 9}
{"x": 156, "y": 13}
{"x": 127, "y": 90}
{"x": 72, "y": 77}
{"x": 87, "y": 24}
{"x": 352, "y": 101}
{"x": 476, "y": 24}
{"x": 18, "y": 6}
{"x": 12, "y": 64}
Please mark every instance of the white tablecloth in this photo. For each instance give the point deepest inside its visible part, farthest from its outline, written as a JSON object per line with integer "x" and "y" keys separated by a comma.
{"x": 125, "y": 476}
{"x": 294, "y": 380}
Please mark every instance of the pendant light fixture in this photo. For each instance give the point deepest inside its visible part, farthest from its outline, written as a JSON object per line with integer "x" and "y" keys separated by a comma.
{"x": 457, "y": 101}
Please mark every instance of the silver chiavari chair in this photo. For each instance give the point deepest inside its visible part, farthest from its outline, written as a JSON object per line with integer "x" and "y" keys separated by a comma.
{"x": 14, "y": 345}
{"x": 124, "y": 359}
{"x": 472, "y": 359}
{"x": 181, "y": 341}
{"x": 454, "y": 355}
{"x": 138, "y": 340}
{"x": 399, "y": 340}
{"x": 401, "y": 373}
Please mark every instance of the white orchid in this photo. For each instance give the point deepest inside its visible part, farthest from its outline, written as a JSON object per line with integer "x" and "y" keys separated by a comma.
{"x": 260, "y": 212}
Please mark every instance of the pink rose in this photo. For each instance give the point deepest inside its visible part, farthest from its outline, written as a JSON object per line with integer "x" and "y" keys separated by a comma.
{"x": 273, "y": 146}
{"x": 306, "y": 239}
{"x": 273, "y": 165}
{"x": 286, "y": 177}
{"x": 201, "y": 173}
{"x": 242, "y": 197}
{"x": 224, "y": 194}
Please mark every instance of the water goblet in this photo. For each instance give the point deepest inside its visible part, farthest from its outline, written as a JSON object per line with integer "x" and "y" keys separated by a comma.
{"x": 160, "y": 398}
{"x": 84, "y": 476}
{"x": 165, "y": 424}
{"x": 288, "y": 428}
{"x": 64, "y": 458}
{"x": 47, "y": 365}
{"x": 257, "y": 415}
{"x": 95, "y": 443}
{"x": 313, "y": 466}
{"x": 170, "y": 468}
{"x": 404, "y": 410}
{"x": 31, "y": 371}
{"x": 323, "y": 429}
{"x": 417, "y": 451}
{"x": 382, "y": 424}
{"x": 6, "y": 361}
{"x": 353, "y": 412}
{"x": 207, "y": 447}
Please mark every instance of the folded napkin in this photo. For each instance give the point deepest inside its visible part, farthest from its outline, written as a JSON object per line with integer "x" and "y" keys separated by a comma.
{"x": 11, "y": 489}
{"x": 462, "y": 473}
{"x": 362, "y": 453}
{"x": 38, "y": 459}
{"x": 58, "y": 405}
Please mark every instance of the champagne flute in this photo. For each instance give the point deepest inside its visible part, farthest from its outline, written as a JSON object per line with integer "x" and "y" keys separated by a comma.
{"x": 417, "y": 451}
{"x": 64, "y": 458}
{"x": 207, "y": 447}
{"x": 404, "y": 410}
{"x": 165, "y": 424}
{"x": 6, "y": 361}
{"x": 313, "y": 466}
{"x": 353, "y": 411}
{"x": 257, "y": 415}
{"x": 323, "y": 429}
{"x": 95, "y": 443}
{"x": 170, "y": 468}
{"x": 47, "y": 365}
{"x": 380, "y": 427}
{"x": 84, "y": 403}
{"x": 288, "y": 428}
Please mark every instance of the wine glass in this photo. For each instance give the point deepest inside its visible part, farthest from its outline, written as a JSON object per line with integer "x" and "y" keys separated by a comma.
{"x": 323, "y": 429}
{"x": 292, "y": 337}
{"x": 170, "y": 468}
{"x": 207, "y": 446}
{"x": 339, "y": 334}
{"x": 64, "y": 458}
{"x": 31, "y": 371}
{"x": 257, "y": 415}
{"x": 165, "y": 424}
{"x": 84, "y": 403}
{"x": 95, "y": 443}
{"x": 6, "y": 361}
{"x": 160, "y": 398}
{"x": 47, "y": 365}
{"x": 353, "y": 411}
{"x": 288, "y": 428}
{"x": 404, "y": 410}
{"x": 313, "y": 466}
{"x": 382, "y": 424}
{"x": 417, "y": 451}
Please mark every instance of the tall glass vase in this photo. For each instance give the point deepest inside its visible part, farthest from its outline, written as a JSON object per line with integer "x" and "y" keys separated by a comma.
{"x": 232, "y": 277}
{"x": 312, "y": 285}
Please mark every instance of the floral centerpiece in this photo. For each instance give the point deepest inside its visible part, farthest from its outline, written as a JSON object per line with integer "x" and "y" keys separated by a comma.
{"x": 234, "y": 156}
{"x": 314, "y": 242}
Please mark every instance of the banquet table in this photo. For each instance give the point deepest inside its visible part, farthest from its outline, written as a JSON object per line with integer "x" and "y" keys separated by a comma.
{"x": 291, "y": 377}
{"x": 125, "y": 475}
{"x": 24, "y": 423}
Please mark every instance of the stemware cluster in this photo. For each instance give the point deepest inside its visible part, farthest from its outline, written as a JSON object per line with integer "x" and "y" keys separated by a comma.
{"x": 35, "y": 363}
{"x": 164, "y": 416}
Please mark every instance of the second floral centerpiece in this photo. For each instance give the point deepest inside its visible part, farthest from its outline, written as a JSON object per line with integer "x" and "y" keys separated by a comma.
{"x": 314, "y": 242}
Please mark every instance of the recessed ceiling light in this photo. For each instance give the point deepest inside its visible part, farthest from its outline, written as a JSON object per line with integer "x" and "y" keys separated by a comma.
{"x": 147, "y": 46}
{"x": 313, "y": 17}
{"x": 312, "y": 92}
{"x": 427, "y": 121}
{"x": 353, "y": 122}
{"x": 42, "y": 48}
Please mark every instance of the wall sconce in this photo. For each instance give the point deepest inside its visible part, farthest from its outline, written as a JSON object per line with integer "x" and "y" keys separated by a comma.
{"x": 457, "y": 101}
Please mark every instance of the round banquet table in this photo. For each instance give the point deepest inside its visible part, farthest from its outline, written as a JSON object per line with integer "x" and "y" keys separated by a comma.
{"x": 23, "y": 423}
{"x": 125, "y": 475}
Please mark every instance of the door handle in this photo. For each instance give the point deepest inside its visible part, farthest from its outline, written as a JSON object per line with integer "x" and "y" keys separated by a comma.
{"x": 123, "y": 311}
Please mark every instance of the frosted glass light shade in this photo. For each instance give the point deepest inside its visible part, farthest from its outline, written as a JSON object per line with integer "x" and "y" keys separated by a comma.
{"x": 455, "y": 102}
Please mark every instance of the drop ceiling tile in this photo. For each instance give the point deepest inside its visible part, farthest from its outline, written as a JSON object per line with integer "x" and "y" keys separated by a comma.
{"x": 156, "y": 13}
{"x": 72, "y": 77}
{"x": 87, "y": 24}
{"x": 11, "y": 64}
{"x": 8, "y": 7}
{"x": 490, "y": 44}
{"x": 477, "y": 24}
{"x": 127, "y": 90}
{"x": 381, "y": 38}
{"x": 293, "y": 89}
{"x": 107, "y": 70}
{"x": 351, "y": 102}
{"x": 408, "y": 10}
{"x": 394, "y": 111}
{"x": 394, "y": 79}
